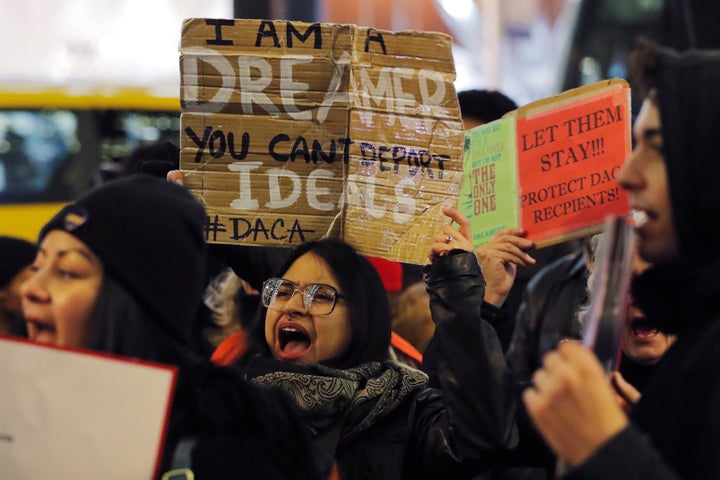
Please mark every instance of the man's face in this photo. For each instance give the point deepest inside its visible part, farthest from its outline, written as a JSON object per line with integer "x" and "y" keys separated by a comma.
{"x": 644, "y": 175}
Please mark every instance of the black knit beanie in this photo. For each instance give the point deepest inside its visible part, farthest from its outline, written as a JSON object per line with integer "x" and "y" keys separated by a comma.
{"x": 148, "y": 233}
{"x": 16, "y": 255}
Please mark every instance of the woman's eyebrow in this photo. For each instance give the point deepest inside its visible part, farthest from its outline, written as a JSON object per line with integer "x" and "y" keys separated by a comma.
{"x": 80, "y": 251}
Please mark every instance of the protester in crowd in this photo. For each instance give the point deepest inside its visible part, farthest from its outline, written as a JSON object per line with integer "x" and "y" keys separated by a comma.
{"x": 642, "y": 343}
{"x": 411, "y": 318}
{"x": 412, "y": 324}
{"x": 324, "y": 339}
{"x": 548, "y": 312}
{"x": 16, "y": 257}
{"x": 479, "y": 107}
{"x": 233, "y": 303}
{"x": 674, "y": 430}
{"x": 547, "y": 319}
{"x": 121, "y": 271}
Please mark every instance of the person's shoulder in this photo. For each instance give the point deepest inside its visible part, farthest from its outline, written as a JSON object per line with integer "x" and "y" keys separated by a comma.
{"x": 701, "y": 345}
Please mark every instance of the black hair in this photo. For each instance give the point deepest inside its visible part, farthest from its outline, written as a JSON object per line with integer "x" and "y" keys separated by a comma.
{"x": 121, "y": 326}
{"x": 367, "y": 301}
{"x": 642, "y": 63}
{"x": 215, "y": 405}
{"x": 485, "y": 105}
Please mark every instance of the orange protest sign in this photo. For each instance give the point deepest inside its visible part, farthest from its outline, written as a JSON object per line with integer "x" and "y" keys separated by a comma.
{"x": 550, "y": 166}
{"x": 570, "y": 149}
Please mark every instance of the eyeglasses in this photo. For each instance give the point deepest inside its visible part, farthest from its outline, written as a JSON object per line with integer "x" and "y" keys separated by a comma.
{"x": 318, "y": 298}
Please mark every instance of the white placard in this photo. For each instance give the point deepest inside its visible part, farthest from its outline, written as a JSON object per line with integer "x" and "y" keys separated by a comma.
{"x": 72, "y": 414}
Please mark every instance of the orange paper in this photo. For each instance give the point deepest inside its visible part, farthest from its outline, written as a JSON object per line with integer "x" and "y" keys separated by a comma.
{"x": 569, "y": 155}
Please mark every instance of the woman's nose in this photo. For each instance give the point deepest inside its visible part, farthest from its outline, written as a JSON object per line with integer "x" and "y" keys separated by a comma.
{"x": 33, "y": 289}
{"x": 295, "y": 304}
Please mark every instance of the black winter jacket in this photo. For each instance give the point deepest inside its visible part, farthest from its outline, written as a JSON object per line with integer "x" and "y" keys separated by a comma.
{"x": 675, "y": 427}
{"x": 548, "y": 313}
{"x": 232, "y": 429}
{"x": 452, "y": 431}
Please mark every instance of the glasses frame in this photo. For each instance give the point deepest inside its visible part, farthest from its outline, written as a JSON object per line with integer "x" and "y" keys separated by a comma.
{"x": 269, "y": 289}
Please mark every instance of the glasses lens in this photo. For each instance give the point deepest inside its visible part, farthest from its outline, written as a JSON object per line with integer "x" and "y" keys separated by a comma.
{"x": 320, "y": 299}
{"x": 276, "y": 292}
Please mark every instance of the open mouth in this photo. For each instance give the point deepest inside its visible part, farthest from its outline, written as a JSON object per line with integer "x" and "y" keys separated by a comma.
{"x": 41, "y": 332}
{"x": 644, "y": 328}
{"x": 294, "y": 342}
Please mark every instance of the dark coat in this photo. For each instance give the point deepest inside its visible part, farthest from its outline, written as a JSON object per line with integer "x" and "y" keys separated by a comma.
{"x": 675, "y": 430}
{"x": 454, "y": 430}
{"x": 675, "y": 427}
{"x": 548, "y": 313}
{"x": 235, "y": 430}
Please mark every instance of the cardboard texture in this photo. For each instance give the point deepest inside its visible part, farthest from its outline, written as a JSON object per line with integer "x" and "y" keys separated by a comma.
{"x": 550, "y": 166}
{"x": 294, "y": 131}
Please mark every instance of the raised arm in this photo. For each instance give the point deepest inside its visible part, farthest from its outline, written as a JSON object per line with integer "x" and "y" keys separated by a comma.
{"x": 465, "y": 358}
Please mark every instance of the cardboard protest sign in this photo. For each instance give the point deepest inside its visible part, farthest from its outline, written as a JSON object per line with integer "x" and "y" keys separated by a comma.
{"x": 76, "y": 414}
{"x": 294, "y": 131}
{"x": 566, "y": 154}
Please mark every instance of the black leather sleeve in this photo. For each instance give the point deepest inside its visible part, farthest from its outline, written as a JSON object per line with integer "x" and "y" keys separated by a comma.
{"x": 476, "y": 414}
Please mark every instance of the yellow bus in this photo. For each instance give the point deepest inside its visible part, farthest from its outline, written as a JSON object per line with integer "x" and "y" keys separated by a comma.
{"x": 57, "y": 142}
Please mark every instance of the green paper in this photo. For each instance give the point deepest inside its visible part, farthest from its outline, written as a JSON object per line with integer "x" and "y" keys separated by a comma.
{"x": 489, "y": 193}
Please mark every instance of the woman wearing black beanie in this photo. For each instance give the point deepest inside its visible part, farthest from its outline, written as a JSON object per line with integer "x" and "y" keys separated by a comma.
{"x": 121, "y": 271}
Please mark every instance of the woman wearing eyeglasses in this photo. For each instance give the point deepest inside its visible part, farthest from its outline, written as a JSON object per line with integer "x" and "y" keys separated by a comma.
{"x": 323, "y": 338}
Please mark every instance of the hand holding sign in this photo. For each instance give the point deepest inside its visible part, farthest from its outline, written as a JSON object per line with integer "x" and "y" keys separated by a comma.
{"x": 499, "y": 259}
{"x": 294, "y": 131}
{"x": 450, "y": 238}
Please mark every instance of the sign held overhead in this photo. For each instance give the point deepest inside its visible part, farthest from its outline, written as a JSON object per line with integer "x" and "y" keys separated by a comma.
{"x": 297, "y": 131}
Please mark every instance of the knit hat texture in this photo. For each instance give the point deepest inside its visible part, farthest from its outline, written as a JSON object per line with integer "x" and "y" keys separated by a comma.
{"x": 148, "y": 233}
{"x": 16, "y": 255}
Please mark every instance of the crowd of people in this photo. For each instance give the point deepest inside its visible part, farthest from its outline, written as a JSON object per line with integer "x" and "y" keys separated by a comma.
{"x": 318, "y": 362}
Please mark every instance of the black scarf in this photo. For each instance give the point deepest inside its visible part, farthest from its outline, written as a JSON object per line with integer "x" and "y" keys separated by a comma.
{"x": 354, "y": 398}
{"x": 680, "y": 295}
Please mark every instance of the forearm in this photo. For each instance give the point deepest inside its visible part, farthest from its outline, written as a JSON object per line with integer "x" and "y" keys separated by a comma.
{"x": 467, "y": 357}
